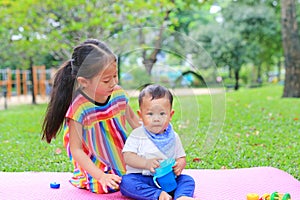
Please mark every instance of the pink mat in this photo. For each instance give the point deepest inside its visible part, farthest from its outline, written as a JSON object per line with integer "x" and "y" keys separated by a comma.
{"x": 233, "y": 184}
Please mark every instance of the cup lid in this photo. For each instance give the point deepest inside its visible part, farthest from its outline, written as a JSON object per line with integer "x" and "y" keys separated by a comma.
{"x": 165, "y": 167}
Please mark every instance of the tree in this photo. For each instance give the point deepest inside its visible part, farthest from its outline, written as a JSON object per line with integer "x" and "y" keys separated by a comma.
{"x": 226, "y": 48}
{"x": 35, "y": 31}
{"x": 291, "y": 46}
{"x": 248, "y": 34}
{"x": 167, "y": 20}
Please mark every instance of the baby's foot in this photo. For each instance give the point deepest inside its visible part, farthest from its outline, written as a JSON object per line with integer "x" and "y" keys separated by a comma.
{"x": 187, "y": 198}
{"x": 164, "y": 196}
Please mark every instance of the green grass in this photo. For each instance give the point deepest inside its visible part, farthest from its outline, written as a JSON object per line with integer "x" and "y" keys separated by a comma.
{"x": 20, "y": 142}
{"x": 260, "y": 129}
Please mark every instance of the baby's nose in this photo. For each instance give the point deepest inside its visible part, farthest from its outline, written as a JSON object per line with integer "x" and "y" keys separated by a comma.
{"x": 156, "y": 118}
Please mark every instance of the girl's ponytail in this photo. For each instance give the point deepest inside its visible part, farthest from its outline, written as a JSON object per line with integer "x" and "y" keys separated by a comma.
{"x": 60, "y": 100}
{"x": 88, "y": 59}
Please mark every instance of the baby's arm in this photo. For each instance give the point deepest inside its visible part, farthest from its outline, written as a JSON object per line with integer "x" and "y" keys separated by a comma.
{"x": 180, "y": 157}
{"x": 106, "y": 180}
{"x": 136, "y": 161}
{"x": 179, "y": 165}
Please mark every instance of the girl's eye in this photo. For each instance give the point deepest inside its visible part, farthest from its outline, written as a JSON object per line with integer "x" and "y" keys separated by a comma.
{"x": 105, "y": 81}
{"x": 150, "y": 114}
{"x": 162, "y": 113}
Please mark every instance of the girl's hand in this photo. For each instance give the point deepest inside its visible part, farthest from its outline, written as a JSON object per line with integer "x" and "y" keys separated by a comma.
{"x": 179, "y": 166}
{"x": 110, "y": 180}
{"x": 151, "y": 164}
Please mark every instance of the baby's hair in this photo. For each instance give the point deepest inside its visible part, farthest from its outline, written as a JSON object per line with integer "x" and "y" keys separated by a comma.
{"x": 88, "y": 59}
{"x": 156, "y": 92}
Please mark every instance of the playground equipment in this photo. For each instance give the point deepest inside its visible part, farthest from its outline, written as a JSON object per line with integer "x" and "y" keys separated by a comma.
{"x": 20, "y": 82}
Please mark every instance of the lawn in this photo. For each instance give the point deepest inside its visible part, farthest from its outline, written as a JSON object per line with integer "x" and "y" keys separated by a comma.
{"x": 260, "y": 129}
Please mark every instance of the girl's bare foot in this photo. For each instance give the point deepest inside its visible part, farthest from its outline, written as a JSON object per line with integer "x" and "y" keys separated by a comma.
{"x": 164, "y": 196}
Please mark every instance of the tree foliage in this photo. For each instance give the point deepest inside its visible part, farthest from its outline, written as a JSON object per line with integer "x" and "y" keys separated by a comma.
{"x": 243, "y": 32}
{"x": 243, "y": 36}
{"x": 48, "y": 30}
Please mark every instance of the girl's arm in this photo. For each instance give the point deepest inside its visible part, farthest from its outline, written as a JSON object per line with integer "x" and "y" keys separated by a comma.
{"x": 131, "y": 117}
{"x": 106, "y": 180}
{"x": 135, "y": 161}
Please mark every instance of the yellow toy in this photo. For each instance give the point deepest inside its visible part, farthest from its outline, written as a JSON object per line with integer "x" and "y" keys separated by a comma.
{"x": 273, "y": 196}
{"x": 252, "y": 196}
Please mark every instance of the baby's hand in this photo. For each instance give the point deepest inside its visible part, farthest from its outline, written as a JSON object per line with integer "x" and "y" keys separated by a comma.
{"x": 151, "y": 164}
{"x": 110, "y": 180}
{"x": 179, "y": 166}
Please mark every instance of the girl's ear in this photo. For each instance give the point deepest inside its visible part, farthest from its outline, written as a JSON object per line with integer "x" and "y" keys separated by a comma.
{"x": 82, "y": 82}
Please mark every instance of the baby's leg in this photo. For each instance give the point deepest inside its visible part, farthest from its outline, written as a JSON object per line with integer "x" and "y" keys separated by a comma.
{"x": 138, "y": 186}
{"x": 185, "y": 187}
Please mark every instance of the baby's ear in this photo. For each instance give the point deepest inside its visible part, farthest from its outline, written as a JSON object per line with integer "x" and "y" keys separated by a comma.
{"x": 172, "y": 113}
{"x": 139, "y": 113}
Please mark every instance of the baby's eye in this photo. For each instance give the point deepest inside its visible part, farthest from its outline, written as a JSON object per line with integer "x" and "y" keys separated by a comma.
{"x": 106, "y": 81}
{"x": 162, "y": 113}
{"x": 150, "y": 114}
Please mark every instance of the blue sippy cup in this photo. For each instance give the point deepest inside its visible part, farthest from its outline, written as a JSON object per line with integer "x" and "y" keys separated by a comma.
{"x": 164, "y": 176}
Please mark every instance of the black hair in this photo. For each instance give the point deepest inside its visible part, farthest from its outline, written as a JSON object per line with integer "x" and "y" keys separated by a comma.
{"x": 88, "y": 59}
{"x": 156, "y": 92}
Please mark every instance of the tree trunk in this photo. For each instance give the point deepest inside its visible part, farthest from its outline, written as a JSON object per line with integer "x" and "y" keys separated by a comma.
{"x": 151, "y": 60}
{"x": 237, "y": 77}
{"x": 32, "y": 81}
{"x": 259, "y": 78}
{"x": 291, "y": 47}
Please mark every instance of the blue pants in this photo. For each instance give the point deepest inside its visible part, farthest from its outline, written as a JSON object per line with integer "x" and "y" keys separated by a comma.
{"x": 138, "y": 186}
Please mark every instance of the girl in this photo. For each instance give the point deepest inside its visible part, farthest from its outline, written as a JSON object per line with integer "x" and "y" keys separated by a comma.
{"x": 93, "y": 108}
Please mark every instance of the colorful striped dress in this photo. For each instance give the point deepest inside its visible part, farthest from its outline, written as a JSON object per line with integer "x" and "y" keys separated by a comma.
{"x": 104, "y": 135}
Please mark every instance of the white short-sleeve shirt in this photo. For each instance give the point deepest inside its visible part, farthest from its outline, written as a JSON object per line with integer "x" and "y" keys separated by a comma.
{"x": 139, "y": 143}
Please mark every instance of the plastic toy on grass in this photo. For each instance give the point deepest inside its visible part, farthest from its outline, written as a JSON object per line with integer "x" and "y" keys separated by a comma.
{"x": 273, "y": 196}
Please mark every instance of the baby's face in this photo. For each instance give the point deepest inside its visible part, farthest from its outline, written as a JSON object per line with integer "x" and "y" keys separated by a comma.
{"x": 155, "y": 114}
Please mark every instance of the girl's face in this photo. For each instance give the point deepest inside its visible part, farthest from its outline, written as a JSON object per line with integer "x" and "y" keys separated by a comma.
{"x": 102, "y": 85}
{"x": 156, "y": 113}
